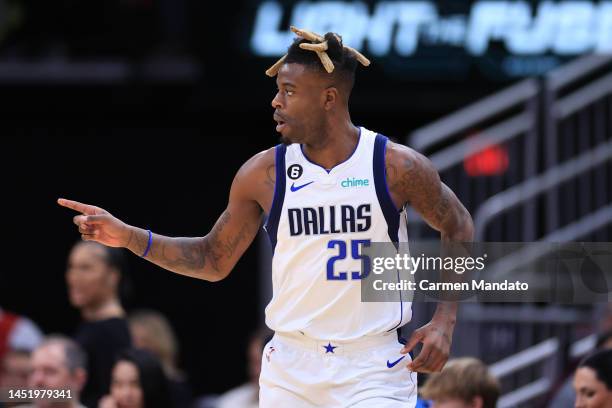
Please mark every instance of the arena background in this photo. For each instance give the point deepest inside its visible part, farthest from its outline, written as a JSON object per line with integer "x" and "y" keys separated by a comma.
{"x": 147, "y": 108}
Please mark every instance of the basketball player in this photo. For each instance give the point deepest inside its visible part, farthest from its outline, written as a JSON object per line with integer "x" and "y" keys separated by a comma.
{"x": 326, "y": 191}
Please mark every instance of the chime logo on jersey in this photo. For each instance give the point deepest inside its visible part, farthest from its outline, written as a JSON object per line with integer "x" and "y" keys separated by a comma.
{"x": 332, "y": 219}
{"x": 354, "y": 182}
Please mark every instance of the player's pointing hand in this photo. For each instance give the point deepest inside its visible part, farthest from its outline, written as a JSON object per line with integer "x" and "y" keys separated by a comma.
{"x": 97, "y": 224}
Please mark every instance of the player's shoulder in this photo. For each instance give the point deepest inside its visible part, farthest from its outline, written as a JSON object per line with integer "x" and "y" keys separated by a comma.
{"x": 260, "y": 162}
{"x": 403, "y": 157}
{"x": 408, "y": 172}
{"x": 256, "y": 177}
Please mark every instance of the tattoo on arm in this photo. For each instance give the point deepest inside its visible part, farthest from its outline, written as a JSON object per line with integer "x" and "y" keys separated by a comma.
{"x": 195, "y": 256}
{"x": 190, "y": 255}
{"x": 400, "y": 179}
{"x": 415, "y": 181}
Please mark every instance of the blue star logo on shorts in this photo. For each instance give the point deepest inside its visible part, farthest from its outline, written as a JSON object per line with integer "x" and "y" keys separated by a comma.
{"x": 329, "y": 348}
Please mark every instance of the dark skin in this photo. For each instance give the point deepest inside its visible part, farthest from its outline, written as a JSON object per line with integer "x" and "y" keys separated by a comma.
{"x": 311, "y": 109}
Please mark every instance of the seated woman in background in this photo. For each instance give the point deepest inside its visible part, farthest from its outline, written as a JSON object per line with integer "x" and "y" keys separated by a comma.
{"x": 137, "y": 381}
{"x": 152, "y": 331}
{"x": 593, "y": 381}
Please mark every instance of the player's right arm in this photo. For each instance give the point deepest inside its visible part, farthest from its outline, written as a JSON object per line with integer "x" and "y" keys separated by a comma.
{"x": 210, "y": 257}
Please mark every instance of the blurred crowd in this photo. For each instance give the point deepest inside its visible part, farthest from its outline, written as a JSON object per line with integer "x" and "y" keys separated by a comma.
{"x": 119, "y": 360}
{"x": 113, "y": 359}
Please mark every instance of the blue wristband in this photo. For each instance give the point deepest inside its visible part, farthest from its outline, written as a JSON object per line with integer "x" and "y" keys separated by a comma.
{"x": 148, "y": 244}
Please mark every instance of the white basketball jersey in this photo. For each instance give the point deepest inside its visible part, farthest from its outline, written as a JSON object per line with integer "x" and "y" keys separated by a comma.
{"x": 318, "y": 223}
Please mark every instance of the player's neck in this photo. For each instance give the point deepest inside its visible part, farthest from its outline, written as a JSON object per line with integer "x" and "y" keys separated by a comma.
{"x": 336, "y": 146}
{"x": 106, "y": 310}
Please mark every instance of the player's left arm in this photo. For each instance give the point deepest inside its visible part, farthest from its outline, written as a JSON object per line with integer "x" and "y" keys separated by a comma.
{"x": 413, "y": 180}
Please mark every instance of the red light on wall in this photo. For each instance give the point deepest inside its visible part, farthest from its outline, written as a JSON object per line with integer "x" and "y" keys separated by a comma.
{"x": 490, "y": 161}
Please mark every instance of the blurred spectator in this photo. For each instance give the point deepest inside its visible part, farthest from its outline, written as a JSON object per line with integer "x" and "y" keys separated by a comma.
{"x": 463, "y": 383}
{"x": 151, "y": 331}
{"x": 604, "y": 341}
{"x": 566, "y": 395}
{"x": 593, "y": 381}
{"x": 58, "y": 363}
{"x": 247, "y": 395}
{"x": 138, "y": 381}
{"x": 14, "y": 371}
{"x": 17, "y": 333}
{"x": 93, "y": 277}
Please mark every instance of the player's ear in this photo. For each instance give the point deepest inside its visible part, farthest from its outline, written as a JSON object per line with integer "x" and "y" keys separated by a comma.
{"x": 331, "y": 97}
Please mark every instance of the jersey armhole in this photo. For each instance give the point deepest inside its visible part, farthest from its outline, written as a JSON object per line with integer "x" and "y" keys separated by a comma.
{"x": 390, "y": 211}
{"x": 271, "y": 225}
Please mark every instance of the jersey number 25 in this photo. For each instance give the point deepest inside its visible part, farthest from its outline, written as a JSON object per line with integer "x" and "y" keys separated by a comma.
{"x": 355, "y": 254}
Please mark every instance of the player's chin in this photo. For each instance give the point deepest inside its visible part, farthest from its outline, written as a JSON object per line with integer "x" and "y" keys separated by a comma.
{"x": 285, "y": 140}
{"x": 286, "y": 137}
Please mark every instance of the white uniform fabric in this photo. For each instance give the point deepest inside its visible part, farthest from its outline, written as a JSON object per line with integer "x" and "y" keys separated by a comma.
{"x": 314, "y": 283}
{"x": 302, "y": 373}
{"x": 318, "y": 224}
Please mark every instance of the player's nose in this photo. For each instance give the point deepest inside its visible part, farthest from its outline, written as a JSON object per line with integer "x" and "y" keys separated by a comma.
{"x": 276, "y": 104}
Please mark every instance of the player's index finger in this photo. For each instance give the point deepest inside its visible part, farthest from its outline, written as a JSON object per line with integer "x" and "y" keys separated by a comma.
{"x": 77, "y": 206}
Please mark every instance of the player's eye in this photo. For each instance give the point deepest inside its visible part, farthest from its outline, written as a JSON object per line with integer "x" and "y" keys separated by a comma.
{"x": 289, "y": 93}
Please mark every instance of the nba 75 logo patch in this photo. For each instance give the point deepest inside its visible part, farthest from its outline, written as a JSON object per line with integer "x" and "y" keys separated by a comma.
{"x": 271, "y": 350}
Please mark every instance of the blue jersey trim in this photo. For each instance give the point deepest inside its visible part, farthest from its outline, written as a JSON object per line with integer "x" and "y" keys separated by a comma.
{"x": 280, "y": 184}
{"x": 329, "y": 171}
{"x": 387, "y": 205}
{"x": 401, "y": 302}
{"x": 390, "y": 212}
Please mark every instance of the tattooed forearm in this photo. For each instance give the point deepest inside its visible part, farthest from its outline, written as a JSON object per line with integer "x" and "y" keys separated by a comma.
{"x": 220, "y": 245}
{"x": 210, "y": 257}
{"x": 186, "y": 254}
{"x": 226, "y": 247}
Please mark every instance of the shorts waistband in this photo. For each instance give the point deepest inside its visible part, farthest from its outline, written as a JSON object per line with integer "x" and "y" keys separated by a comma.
{"x": 333, "y": 347}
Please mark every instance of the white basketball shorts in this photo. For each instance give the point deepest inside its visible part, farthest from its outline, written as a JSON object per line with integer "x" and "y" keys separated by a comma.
{"x": 299, "y": 372}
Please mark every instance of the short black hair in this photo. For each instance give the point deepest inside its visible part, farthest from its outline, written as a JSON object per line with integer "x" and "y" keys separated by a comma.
{"x": 601, "y": 363}
{"x": 345, "y": 63}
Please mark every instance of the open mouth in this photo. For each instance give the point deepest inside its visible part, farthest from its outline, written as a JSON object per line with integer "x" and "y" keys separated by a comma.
{"x": 280, "y": 123}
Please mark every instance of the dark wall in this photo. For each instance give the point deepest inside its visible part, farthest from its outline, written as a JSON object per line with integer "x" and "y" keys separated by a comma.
{"x": 171, "y": 180}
